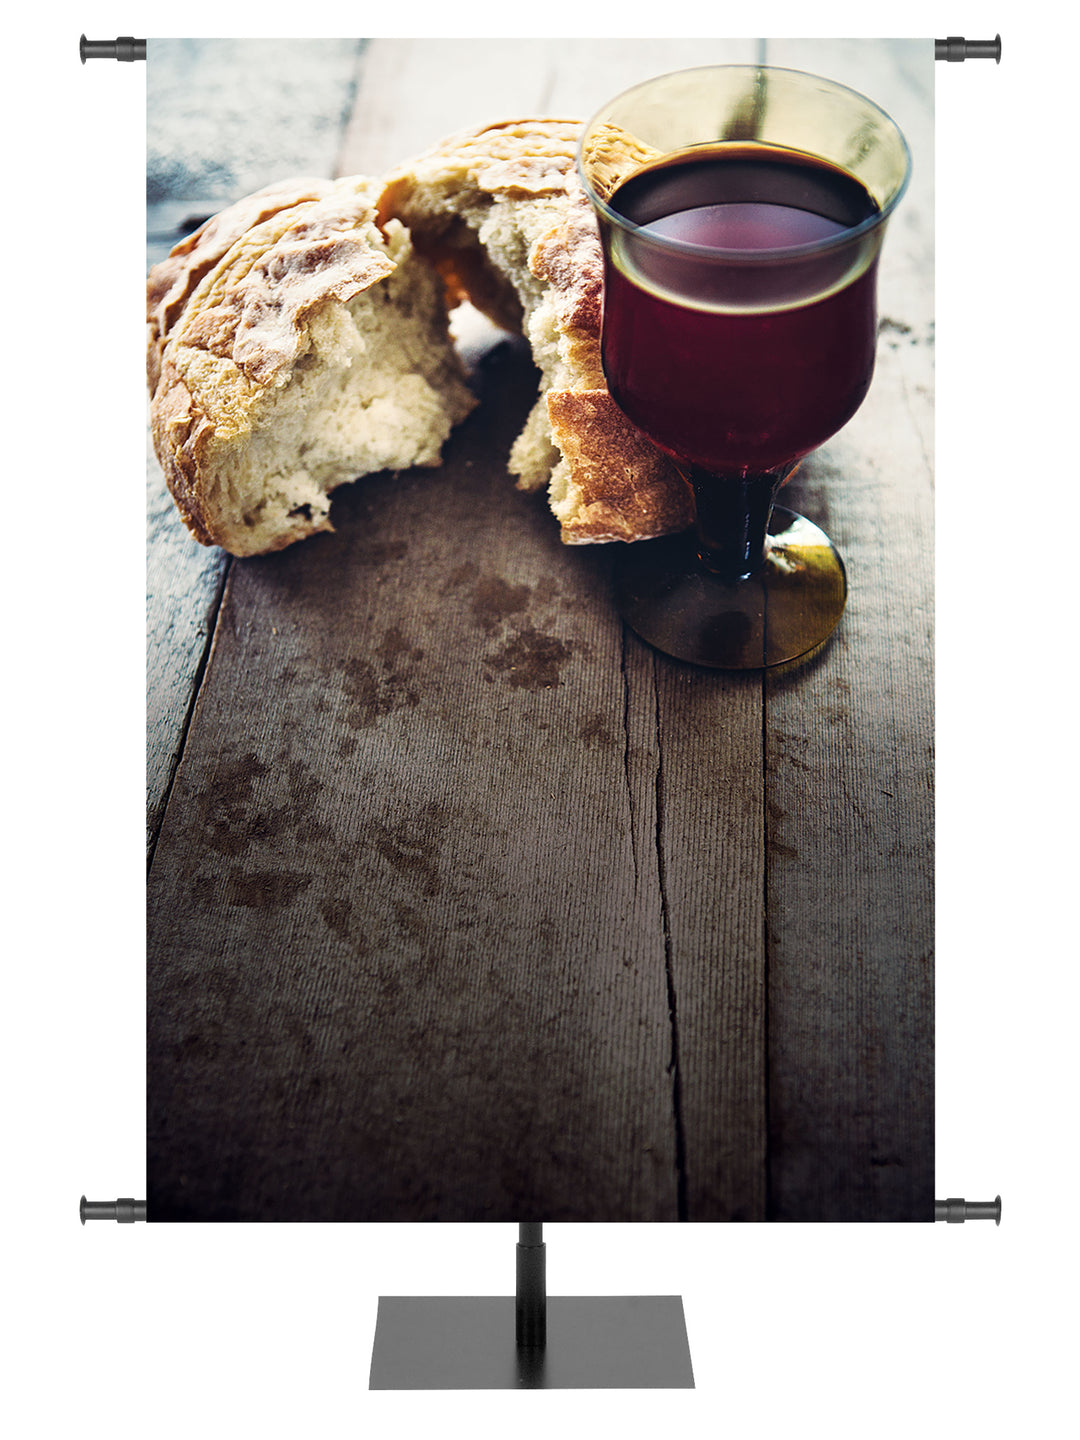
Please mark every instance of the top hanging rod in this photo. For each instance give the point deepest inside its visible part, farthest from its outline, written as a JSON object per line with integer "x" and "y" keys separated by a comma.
{"x": 953, "y": 48}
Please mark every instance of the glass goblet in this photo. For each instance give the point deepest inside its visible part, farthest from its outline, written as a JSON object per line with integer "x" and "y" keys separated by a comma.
{"x": 742, "y": 211}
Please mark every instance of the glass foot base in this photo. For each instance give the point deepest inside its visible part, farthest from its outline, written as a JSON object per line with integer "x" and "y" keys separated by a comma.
{"x": 788, "y": 608}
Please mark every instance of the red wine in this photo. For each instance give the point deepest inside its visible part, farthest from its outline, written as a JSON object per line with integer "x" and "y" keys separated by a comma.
{"x": 738, "y": 348}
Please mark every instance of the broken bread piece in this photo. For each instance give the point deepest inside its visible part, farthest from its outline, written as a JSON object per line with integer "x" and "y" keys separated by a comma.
{"x": 503, "y": 216}
{"x": 313, "y": 350}
{"x": 172, "y": 282}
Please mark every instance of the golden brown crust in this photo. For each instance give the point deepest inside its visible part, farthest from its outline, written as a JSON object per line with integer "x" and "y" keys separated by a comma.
{"x": 611, "y": 155}
{"x": 501, "y": 212}
{"x": 569, "y": 259}
{"x": 468, "y": 193}
{"x": 173, "y": 281}
{"x": 181, "y": 437}
{"x": 623, "y": 487}
{"x": 251, "y": 309}
{"x": 511, "y": 159}
{"x": 242, "y": 328}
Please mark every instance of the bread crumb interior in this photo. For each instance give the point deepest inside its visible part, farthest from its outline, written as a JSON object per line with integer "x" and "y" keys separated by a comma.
{"x": 371, "y": 390}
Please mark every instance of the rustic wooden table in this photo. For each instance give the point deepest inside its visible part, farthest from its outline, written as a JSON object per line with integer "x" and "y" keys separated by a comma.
{"x": 466, "y": 905}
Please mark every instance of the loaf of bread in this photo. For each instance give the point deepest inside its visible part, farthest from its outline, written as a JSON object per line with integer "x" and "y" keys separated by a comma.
{"x": 293, "y": 345}
{"x": 502, "y": 214}
{"x": 300, "y": 339}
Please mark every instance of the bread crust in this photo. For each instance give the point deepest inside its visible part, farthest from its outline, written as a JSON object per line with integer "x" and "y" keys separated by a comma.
{"x": 619, "y": 486}
{"x": 241, "y": 328}
{"x": 466, "y": 194}
{"x": 182, "y": 436}
{"x": 173, "y": 281}
{"x": 501, "y": 212}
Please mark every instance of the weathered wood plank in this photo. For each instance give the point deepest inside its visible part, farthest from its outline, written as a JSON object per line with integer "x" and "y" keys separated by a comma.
{"x": 394, "y": 915}
{"x": 711, "y": 853}
{"x": 412, "y": 93}
{"x": 848, "y": 753}
{"x": 453, "y": 84}
{"x": 223, "y": 118}
{"x": 183, "y": 589}
{"x": 712, "y": 841}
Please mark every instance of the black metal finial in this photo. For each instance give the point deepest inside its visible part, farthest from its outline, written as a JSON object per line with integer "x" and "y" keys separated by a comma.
{"x": 955, "y": 1212}
{"x": 124, "y": 1212}
{"x": 124, "y": 47}
{"x": 957, "y": 48}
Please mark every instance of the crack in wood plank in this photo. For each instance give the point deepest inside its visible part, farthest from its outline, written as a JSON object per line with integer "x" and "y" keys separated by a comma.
{"x": 765, "y": 1076}
{"x": 669, "y": 970}
{"x": 626, "y": 759}
{"x": 157, "y": 814}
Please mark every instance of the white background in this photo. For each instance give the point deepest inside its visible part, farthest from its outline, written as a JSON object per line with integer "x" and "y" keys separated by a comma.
{"x": 266, "y": 1331}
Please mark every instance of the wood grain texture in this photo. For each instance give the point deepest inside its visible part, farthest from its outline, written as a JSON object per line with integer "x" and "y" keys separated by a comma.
{"x": 849, "y": 762}
{"x": 396, "y": 881}
{"x": 224, "y": 117}
{"x": 466, "y": 905}
{"x": 710, "y": 838}
{"x": 183, "y": 590}
{"x": 412, "y": 94}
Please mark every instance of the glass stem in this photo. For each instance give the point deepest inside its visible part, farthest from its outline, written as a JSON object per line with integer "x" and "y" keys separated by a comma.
{"x": 733, "y": 519}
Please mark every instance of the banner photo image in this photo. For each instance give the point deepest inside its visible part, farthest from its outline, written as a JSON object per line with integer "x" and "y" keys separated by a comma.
{"x": 540, "y": 817}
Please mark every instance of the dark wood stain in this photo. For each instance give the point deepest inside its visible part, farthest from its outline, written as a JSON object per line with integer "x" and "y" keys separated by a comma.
{"x": 530, "y": 660}
{"x": 265, "y": 889}
{"x": 410, "y": 850}
{"x": 494, "y": 599}
{"x": 377, "y": 690}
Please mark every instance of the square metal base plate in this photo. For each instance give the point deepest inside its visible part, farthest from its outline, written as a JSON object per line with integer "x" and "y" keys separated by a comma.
{"x": 620, "y": 1342}
{"x": 594, "y": 1342}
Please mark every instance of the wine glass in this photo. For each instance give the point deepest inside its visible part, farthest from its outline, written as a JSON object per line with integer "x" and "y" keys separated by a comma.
{"x": 742, "y": 211}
